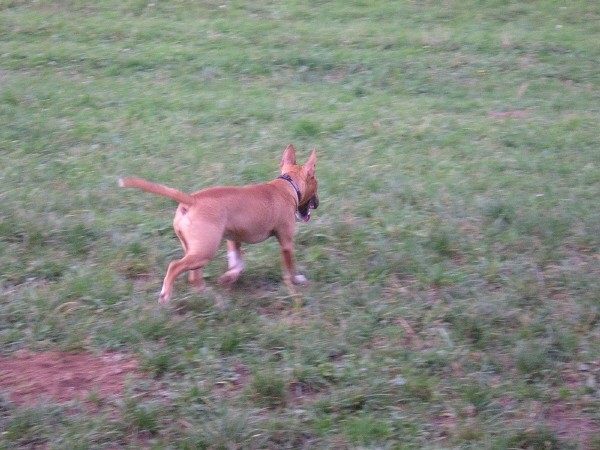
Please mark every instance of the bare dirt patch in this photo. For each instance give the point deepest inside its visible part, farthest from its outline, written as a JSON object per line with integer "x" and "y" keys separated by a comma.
{"x": 28, "y": 378}
{"x": 569, "y": 423}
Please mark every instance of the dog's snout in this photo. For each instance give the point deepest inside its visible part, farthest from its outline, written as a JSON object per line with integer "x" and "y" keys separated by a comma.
{"x": 314, "y": 202}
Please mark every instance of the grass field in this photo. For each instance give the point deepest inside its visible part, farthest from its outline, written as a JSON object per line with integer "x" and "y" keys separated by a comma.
{"x": 454, "y": 262}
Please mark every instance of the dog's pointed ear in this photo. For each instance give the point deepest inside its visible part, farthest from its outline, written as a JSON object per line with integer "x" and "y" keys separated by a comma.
{"x": 289, "y": 157}
{"x": 309, "y": 166}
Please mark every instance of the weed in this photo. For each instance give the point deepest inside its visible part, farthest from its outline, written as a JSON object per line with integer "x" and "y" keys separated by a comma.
{"x": 367, "y": 430}
{"x": 268, "y": 388}
{"x": 532, "y": 359}
{"x": 536, "y": 438}
{"x": 306, "y": 129}
{"x": 141, "y": 418}
{"x": 158, "y": 363}
{"x": 231, "y": 341}
{"x": 421, "y": 388}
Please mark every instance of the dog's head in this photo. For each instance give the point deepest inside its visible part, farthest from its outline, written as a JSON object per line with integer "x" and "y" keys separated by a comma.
{"x": 305, "y": 179}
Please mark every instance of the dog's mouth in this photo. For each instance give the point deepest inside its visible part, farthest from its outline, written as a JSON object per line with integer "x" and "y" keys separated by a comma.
{"x": 303, "y": 213}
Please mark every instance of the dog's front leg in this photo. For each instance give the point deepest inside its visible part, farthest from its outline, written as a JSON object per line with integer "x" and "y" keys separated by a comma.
{"x": 288, "y": 262}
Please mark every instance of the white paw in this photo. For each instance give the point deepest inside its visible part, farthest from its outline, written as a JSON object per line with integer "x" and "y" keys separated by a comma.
{"x": 300, "y": 279}
{"x": 230, "y": 277}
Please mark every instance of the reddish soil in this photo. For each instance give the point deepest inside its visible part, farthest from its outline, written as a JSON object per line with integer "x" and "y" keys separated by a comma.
{"x": 28, "y": 378}
{"x": 568, "y": 423}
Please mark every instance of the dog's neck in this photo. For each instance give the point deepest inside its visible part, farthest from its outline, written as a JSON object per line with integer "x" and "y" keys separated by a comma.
{"x": 287, "y": 178}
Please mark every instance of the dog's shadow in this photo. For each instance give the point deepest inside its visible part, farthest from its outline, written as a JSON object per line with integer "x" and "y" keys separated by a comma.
{"x": 255, "y": 289}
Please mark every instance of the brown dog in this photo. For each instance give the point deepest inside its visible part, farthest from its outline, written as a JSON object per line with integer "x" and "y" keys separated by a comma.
{"x": 247, "y": 214}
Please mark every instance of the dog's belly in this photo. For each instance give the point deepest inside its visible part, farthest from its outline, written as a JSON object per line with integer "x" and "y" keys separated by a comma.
{"x": 246, "y": 236}
{"x": 253, "y": 220}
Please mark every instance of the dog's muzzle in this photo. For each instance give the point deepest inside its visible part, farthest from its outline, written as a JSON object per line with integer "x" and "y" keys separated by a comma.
{"x": 303, "y": 213}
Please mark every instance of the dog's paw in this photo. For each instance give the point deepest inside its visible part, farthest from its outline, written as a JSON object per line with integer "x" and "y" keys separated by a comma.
{"x": 299, "y": 279}
{"x": 163, "y": 299}
{"x": 229, "y": 277}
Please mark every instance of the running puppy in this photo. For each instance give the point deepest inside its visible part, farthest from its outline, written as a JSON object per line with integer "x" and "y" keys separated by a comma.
{"x": 245, "y": 214}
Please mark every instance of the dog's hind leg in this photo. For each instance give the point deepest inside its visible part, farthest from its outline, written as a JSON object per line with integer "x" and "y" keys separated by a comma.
{"x": 195, "y": 277}
{"x": 188, "y": 262}
{"x": 200, "y": 248}
{"x": 235, "y": 263}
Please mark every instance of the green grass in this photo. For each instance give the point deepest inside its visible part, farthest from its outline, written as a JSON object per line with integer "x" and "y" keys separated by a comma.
{"x": 454, "y": 260}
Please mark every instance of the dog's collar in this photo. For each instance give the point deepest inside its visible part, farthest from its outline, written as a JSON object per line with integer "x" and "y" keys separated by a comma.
{"x": 287, "y": 178}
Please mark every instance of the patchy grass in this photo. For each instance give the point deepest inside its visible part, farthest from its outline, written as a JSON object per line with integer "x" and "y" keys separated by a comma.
{"x": 454, "y": 261}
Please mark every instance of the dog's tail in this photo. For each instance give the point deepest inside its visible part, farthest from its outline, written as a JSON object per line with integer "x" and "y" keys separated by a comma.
{"x": 158, "y": 189}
